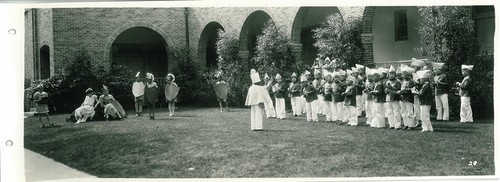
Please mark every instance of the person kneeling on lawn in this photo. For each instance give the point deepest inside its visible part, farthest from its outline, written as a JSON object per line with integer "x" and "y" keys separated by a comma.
{"x": 105, "y": 100}
{"x": 256, "y": 97}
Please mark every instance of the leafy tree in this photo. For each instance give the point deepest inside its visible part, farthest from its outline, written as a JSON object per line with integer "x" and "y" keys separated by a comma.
{"x": 235, "y": 69}
{"x": 339, "y": 38}
{"x": 273, "y": 51}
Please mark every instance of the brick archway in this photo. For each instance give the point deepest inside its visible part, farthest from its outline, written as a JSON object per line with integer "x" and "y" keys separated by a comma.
{"x": 208, "y": 38}
{"x": 254, "y": 22}
{"x": 306, "y": 19}
{"x": 167, "y": 42}
{"x": 367, "y": 36}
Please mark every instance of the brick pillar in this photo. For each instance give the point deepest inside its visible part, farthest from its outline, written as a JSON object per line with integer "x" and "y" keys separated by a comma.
{"x": 297, "y": 51}
{"x": 367, "y": 41}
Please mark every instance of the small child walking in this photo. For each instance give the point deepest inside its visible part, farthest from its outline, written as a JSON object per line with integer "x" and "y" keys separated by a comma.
{"x": 42, "y": 108}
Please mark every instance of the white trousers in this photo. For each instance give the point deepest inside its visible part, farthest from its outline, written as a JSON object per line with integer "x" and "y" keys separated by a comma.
{"x": 303, "y": 104}
{"x": 319, "y": 103}
{"x": 256, "y": 116}
{"x": 442, "y": 108}
{"x": 394, "y": 114}
{"x": 333, "y": 111}
{"x": 407, "y": 114}
{"x": 369, "y": 111}
{"x": 425, "y": 111}
{"x": 280, "y": 108}
{"x": 270, "y": 111}
{"x": 416, "y": 108}
{"x": 378, "y": 115}
{"x": 351, "y": 115}
{"x": 465, "y": 110}
{"x": 311, "y": 111}
{"x": 296, "y": 105}
{"x": 338, "y": 111}
{"x": 360, "y": 105}
{"x": 327, "y": 110}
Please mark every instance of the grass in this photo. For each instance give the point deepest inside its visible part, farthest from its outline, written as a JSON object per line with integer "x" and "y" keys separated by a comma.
{"x": 222, "y": 145}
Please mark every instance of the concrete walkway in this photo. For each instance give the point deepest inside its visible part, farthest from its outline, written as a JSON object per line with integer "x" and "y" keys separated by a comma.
{"x": 40, "y": 168}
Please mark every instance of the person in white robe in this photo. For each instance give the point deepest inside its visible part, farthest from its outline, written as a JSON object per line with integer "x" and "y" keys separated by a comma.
{"x": 256, "y": 97}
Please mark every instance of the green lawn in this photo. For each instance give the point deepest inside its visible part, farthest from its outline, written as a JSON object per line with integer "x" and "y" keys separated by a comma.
{"x": 222, "y": 145}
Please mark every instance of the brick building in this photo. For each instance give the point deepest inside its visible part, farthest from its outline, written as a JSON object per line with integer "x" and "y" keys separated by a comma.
{"x": 146, "y": 39}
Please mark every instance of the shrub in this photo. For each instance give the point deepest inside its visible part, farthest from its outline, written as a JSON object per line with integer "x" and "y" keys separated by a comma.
{"x": 195, "y": 91}
{"x": 273, "y": 52}
{"x": 234, "y": 68}
{"x": 338, "y": 38}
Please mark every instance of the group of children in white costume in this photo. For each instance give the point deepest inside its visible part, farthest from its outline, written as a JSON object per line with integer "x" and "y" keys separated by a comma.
{"x": 403, "y": 96}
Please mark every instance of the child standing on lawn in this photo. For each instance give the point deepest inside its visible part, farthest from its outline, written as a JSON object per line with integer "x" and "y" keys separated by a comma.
{"x": 369, "y": 86}
{"x": 379, "y": 97}
{"x": 350, "y": 102}
{"x": 327, "y": 91}
{"x": 138, "y": 92}
{"x": 150, "y": 84}
{"x": 269, "y": 107}
{"x": 425, "y": 98}
{"x": 295, "y": 96}
{"x": 465, "y": 94}
{"x": 256, "y": 97}
{"x": 280, "y": 97}
{"x": 170, "y": 80}
{"x": 407, "y": 98}
{"x": 392, "y": 86}
{"x": 310, "y": 95}
{"x": 441, "y": 91}
{"x": 222, "y": 102}
{"x": 318, "y": 85}
{"x": 42, "y": 108}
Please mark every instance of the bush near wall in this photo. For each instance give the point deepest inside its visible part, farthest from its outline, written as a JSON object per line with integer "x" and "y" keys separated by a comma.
{"x": 195, "y": 90}
{"x": 234, "y": 68}
{"x": 67, "y": 91}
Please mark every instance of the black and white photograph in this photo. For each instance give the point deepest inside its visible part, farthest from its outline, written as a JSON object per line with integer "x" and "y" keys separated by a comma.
{"x": 254, "y": 91}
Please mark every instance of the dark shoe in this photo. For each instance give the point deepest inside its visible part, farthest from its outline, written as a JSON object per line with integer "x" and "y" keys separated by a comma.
{"x": 391, "y": 127}
{"x": 151, "y": 117}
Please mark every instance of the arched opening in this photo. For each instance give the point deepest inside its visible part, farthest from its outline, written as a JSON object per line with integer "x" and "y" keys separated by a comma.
{"x": 44, "y": 62}
{"x": 306, "y": 20}
{"x": 208, "y": 44}
{"x": 141, "y": 49}
{"x": 251, "y": 29}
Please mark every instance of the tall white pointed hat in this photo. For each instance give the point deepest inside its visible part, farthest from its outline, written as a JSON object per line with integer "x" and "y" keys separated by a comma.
{"x": 150, "y": 76}
{"x": 254, "y": 76}
{"x": 437, "y": 66}
{"x": 278, "y": 76}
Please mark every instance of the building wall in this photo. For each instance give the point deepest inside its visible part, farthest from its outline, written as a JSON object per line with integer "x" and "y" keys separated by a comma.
{"x": 232, "y": 20}
{"x": 28, "y": 46}
{"x": 95, "y": 29}
{"x": 385, "y": 47}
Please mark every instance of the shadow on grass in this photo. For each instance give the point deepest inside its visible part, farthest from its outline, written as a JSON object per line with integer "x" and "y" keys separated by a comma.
{"x": 451, "y": 131}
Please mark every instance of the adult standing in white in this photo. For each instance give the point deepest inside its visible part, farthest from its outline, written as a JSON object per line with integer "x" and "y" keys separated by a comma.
{"x": 256, "y": 97}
